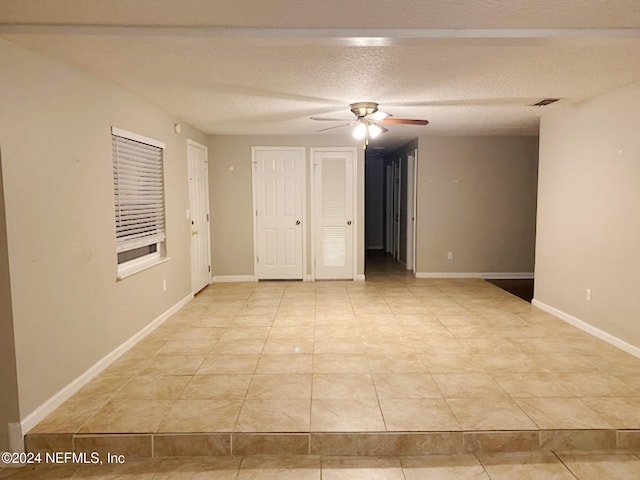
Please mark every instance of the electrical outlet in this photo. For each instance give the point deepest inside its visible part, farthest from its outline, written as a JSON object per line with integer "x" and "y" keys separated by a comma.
{"x": 449, "y": 255}
{"x": 164, "y": 284}
{"x": 588, "y": 295}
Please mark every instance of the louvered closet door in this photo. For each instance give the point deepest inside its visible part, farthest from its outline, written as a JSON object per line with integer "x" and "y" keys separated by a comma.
{"x": 333, "y": 213}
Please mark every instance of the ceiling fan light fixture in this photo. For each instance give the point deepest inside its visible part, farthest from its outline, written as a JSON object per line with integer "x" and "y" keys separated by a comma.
{"x": 378, "y": 116}
{"x": 369, "y": 121}
{"x": 374, "y": 130}
{"x": 360, "y": 132}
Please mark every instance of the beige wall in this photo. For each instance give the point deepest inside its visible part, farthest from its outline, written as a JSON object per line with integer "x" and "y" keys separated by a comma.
{"x": 9, "y": 412}
{"x": 476, "y": 198}
{"x": 232, "y": 200}
{"x": 68, "y": 309}
{"x": 589, "y": 212}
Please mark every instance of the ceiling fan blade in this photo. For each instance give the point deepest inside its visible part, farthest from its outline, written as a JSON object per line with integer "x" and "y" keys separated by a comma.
{"x": 378, "y": 116}
{"x": 326, "y": 119}
{"x": 403, "y": 121}
{"x": 335, "y": 126}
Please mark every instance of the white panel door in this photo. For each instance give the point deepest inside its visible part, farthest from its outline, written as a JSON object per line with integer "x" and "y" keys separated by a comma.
{"x": 389, "y": 210}
{"x": 199, "y": 216}
{"x": 333, "y": 212}
{"x": 278, "y": 195}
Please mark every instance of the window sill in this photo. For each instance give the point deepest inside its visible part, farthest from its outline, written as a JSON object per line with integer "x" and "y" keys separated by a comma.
{"x": 140, "y": 267}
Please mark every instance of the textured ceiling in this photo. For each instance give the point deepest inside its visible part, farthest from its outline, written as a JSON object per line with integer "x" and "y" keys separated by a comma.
{"x": 331, "y": 13}
{"x": 271, "y": 75}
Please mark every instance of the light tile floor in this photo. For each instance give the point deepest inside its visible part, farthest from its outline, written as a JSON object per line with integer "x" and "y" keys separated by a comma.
{"x": 522, "y": 466}
{"x": 393, "y": 353}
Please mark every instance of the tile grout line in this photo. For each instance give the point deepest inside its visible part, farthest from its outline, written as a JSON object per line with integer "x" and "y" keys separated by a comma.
{"x": 313, "y": 357}
{"x": 110, "y": 398}
{"x": 484, "y": 467}
{"x": 564, "y": 464}
{"x": 231, "y": 434}
{"x": 384, "y": 422}
{"x": 255, "y": 369}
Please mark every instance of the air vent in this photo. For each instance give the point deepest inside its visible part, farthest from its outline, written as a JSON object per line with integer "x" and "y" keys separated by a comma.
{"x": 545, "y": 101}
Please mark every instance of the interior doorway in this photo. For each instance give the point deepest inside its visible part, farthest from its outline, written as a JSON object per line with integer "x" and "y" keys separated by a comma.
{"x": 391, "y": 210}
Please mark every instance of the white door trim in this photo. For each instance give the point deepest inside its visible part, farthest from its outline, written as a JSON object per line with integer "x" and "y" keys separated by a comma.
{"x": 415, "y": 210}
{"x": 193, "y": 143}
{"x": 354, "y": 221}
{"x": 356, "y": 224}
{"x": 312, "y": 218}
{"x": 397, "y": 211}
{"x": 388, "y": 205}
{"x": 412, "y": 208}
{"x": 303, "y": 151}
{"x": 410, "y": 203}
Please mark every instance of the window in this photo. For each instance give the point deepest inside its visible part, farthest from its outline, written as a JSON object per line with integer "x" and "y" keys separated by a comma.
{"x": 138, "y": 187}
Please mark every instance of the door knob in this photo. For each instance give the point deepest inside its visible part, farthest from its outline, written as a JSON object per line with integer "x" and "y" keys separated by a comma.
{"x": 194, "y": 233}
{"x": 297, "y": 222}
{"x": 348, "y": 222}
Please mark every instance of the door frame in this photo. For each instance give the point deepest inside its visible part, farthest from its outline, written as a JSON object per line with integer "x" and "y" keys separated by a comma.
{"x": 354, "y": 192}
{"x": 388, "y": 205}
{"x": 254, "y": 162}
{"x": 415, "y": 210}
{"x": 397, "y": 210}
{"x": 412, "y": 165}
{"x": 193, "y": 143}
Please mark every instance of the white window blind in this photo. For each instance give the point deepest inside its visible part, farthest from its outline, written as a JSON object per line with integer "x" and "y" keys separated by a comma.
{"x": 139, "y": 193}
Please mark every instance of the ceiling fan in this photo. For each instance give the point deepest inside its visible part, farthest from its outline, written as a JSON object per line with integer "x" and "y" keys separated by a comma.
{"x": 369, "y": 121}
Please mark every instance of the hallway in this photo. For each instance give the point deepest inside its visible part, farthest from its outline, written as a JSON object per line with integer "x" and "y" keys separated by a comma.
{"x": 381, "y": 267}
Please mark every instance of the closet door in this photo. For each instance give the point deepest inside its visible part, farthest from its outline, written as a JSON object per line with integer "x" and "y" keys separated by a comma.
{"x": 278, "y": 181}
{"x": 199, "y": 212}
{"x": 333, "y": 212}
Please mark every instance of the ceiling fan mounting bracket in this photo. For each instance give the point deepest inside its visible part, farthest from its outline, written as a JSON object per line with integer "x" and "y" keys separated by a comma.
{"x": 362, "y": 109}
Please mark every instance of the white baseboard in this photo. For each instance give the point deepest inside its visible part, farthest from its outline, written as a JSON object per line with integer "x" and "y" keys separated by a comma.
{"x": 507, "y": 275}
{"x": 15, "y": 437}
{"x": 484, "y": 275}
{"x": 588, "y": 328}
{"x": 358, "y": 278}
{"x": 233, "y": 278}
{"x": 59, "y": 398}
